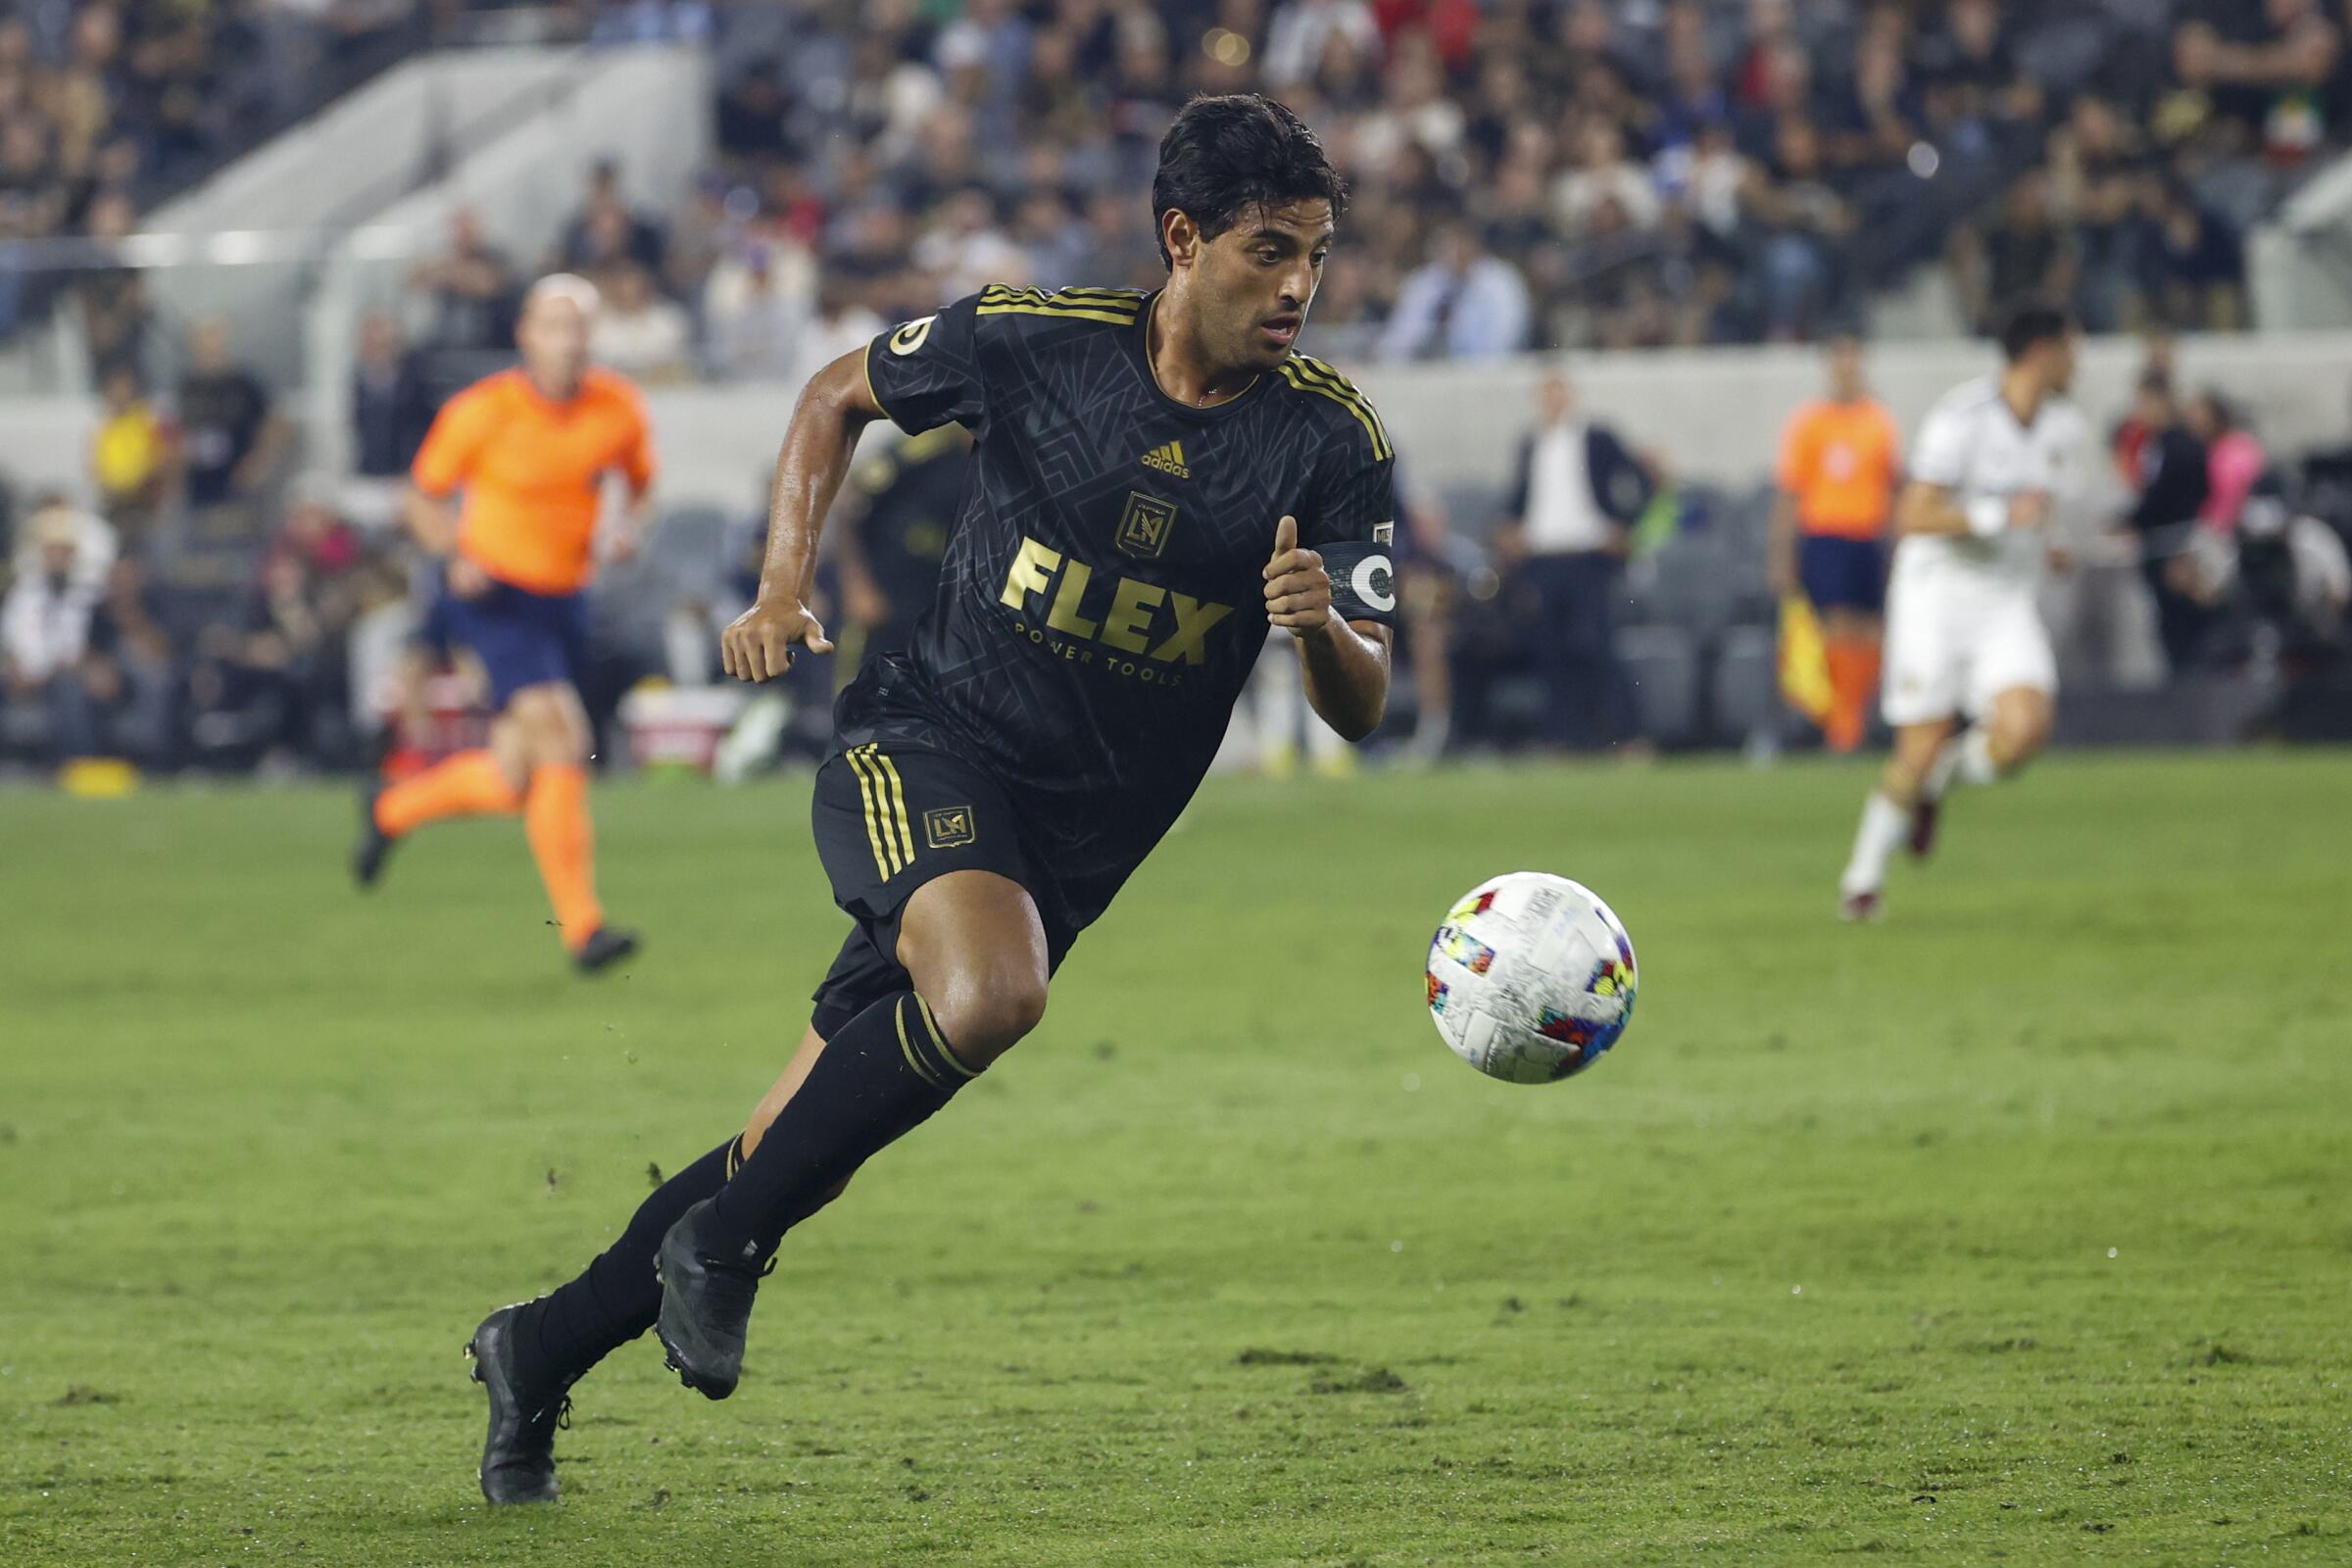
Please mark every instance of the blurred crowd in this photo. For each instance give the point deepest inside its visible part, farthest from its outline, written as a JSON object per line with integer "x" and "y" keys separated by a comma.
{"x": 107, "y": 106}
{"x": 1528, "y": 172}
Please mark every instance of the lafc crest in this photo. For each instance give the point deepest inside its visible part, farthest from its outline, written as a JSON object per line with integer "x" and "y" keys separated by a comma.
{"x": 947, "y": 826}
{"x": 1143, "y": 526}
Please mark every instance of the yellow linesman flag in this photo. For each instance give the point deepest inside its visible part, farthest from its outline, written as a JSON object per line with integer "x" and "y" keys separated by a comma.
{"x": 1804, "y": 660}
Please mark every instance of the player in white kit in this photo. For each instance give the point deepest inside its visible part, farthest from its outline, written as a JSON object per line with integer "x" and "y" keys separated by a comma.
{"x": 1993, "y": 471}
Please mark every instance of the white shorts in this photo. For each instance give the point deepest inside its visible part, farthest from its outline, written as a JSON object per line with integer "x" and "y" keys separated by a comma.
{"x": 1954, "y": 641}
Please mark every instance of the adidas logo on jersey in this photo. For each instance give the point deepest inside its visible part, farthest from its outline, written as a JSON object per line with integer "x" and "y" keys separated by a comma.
{"x": 1168, "y": 459}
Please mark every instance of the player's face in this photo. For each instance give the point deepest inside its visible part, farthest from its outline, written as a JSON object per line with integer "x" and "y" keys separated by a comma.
{"x": 554, "y": 337}
{"x": 1258, "y": 279}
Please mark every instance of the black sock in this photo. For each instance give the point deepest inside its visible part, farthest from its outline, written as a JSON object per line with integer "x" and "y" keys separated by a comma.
{"x": 562, "y": 1333}
{"x": 880, "y": 1075}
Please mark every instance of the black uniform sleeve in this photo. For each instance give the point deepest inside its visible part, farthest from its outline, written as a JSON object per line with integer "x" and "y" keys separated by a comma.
{"x": 927, "y": 372}
{"x": 1354, "y": 528}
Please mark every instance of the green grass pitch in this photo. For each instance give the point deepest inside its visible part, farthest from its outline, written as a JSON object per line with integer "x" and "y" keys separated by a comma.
{"x": 2019, "y": 1228}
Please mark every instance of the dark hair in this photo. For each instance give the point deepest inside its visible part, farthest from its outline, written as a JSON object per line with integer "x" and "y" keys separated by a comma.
{"x": 2031, "y": 326}
{"x": 1224, "y": 156}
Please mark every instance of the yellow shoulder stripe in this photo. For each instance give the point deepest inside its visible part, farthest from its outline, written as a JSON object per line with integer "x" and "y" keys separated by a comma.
{"x": 1317, "y": 370}
{"x": 1089, "y": 296}
{"x": 1299, "y": 379}
{"x": 1089, "y": 305}
{"x": 1114, "y": 318}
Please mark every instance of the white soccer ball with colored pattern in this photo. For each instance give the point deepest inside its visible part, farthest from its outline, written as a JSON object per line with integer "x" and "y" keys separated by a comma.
{"x": 1531, "y": 978}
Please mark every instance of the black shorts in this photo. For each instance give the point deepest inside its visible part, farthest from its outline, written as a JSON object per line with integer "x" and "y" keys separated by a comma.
{"x": 1840, "y": 573}
{"x": 889, "y": 819}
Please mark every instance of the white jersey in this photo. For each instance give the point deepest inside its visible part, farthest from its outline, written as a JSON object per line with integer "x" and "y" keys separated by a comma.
{"x": 1962, "y": 625}
{"x": 1973, "y": 446}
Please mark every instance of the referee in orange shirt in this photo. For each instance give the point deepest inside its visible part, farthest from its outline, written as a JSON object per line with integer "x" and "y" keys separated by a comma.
{"x": 529, "y": 449}
{"x": 1841, "y": 463}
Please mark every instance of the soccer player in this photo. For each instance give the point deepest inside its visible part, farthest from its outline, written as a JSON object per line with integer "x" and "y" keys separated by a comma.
{"x": 891, "y": 545}
{"x": 1993, "y": 469}
{"x": 1156, "y": 478}
{"x": 1839, "y": 460}
{"x": 529, "y": 448}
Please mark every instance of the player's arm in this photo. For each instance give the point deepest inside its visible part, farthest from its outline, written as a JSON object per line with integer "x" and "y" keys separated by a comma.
{"x": 444, "y": 463}
{"x": 1339, "y": 599}
{"x": 432, "y": 520}
{"x": 625, "y": 535}
{"x": 834, "y": 409}
{"x": 1935, "y": 508}
{"x": 1343, "y": 663}
{"x": 1933, "y": 501}
{"x": 919, "y": 376}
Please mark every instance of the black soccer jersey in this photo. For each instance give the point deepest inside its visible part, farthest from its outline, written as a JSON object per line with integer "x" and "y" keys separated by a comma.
{"x": 1102, "y": 600}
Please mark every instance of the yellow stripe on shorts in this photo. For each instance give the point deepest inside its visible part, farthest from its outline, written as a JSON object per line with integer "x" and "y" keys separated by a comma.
{"x": 898, "y": 807}
{"x": 885, "y": 856}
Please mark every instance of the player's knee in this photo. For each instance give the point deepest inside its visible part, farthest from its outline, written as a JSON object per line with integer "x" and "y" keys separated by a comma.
{"x": 2014, "y": 738}
{"x": 553, "y": 732}
{"x": 985, "y": 1010}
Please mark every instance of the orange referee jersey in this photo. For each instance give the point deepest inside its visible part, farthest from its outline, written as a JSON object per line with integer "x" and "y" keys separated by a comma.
{"x": 1840, "y": 462}
{"x": 532, "y": 471}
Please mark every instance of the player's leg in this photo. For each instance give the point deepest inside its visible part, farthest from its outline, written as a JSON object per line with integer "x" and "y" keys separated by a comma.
{"x": 528, "y": 1355}
{"x": 2014, "y": 676}
{"x": 2017, "y": 728}
{"x": 471, "y": 783}
{"x": 1845, "y": 579}
{"x": 1887, "y": 816}
{"x": 1850, "y": 643}
{"x": 973, "y": 948}
{"x": 484, "y": 780}
{"x": 552, "y": 736}
{"x": 1920, "y": 701}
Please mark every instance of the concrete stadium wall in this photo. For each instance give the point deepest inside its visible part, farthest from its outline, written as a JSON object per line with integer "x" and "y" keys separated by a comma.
{"x": 2299, "y": 259}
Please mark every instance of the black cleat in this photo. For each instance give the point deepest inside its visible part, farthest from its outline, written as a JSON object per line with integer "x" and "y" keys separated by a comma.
{"x": 368, "y": 856}
{"x": 605, "y": 946}
{"x": 1922, "y": 842}
{"x": 518, "y": 1458}
{"x": 707, "y": 1293}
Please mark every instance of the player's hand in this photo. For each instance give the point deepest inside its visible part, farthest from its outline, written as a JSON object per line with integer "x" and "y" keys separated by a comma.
{"x": 1297, "y": 588}
{"x": 465, "y": 579}
{"x": 758, "y": 644}
{"x": 625, "y": 544}
{"x": 2061, "y": 559}
{"x": 2029, "y": 508}
{"x": 1780, "y": 574}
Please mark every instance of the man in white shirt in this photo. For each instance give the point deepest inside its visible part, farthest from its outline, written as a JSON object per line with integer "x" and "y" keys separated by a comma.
{"x": 1992, "y": 474}
{"x": 1578, "y": 493}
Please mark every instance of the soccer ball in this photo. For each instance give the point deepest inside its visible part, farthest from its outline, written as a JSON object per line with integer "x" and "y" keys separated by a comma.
{"x": 1531, "y": 978}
